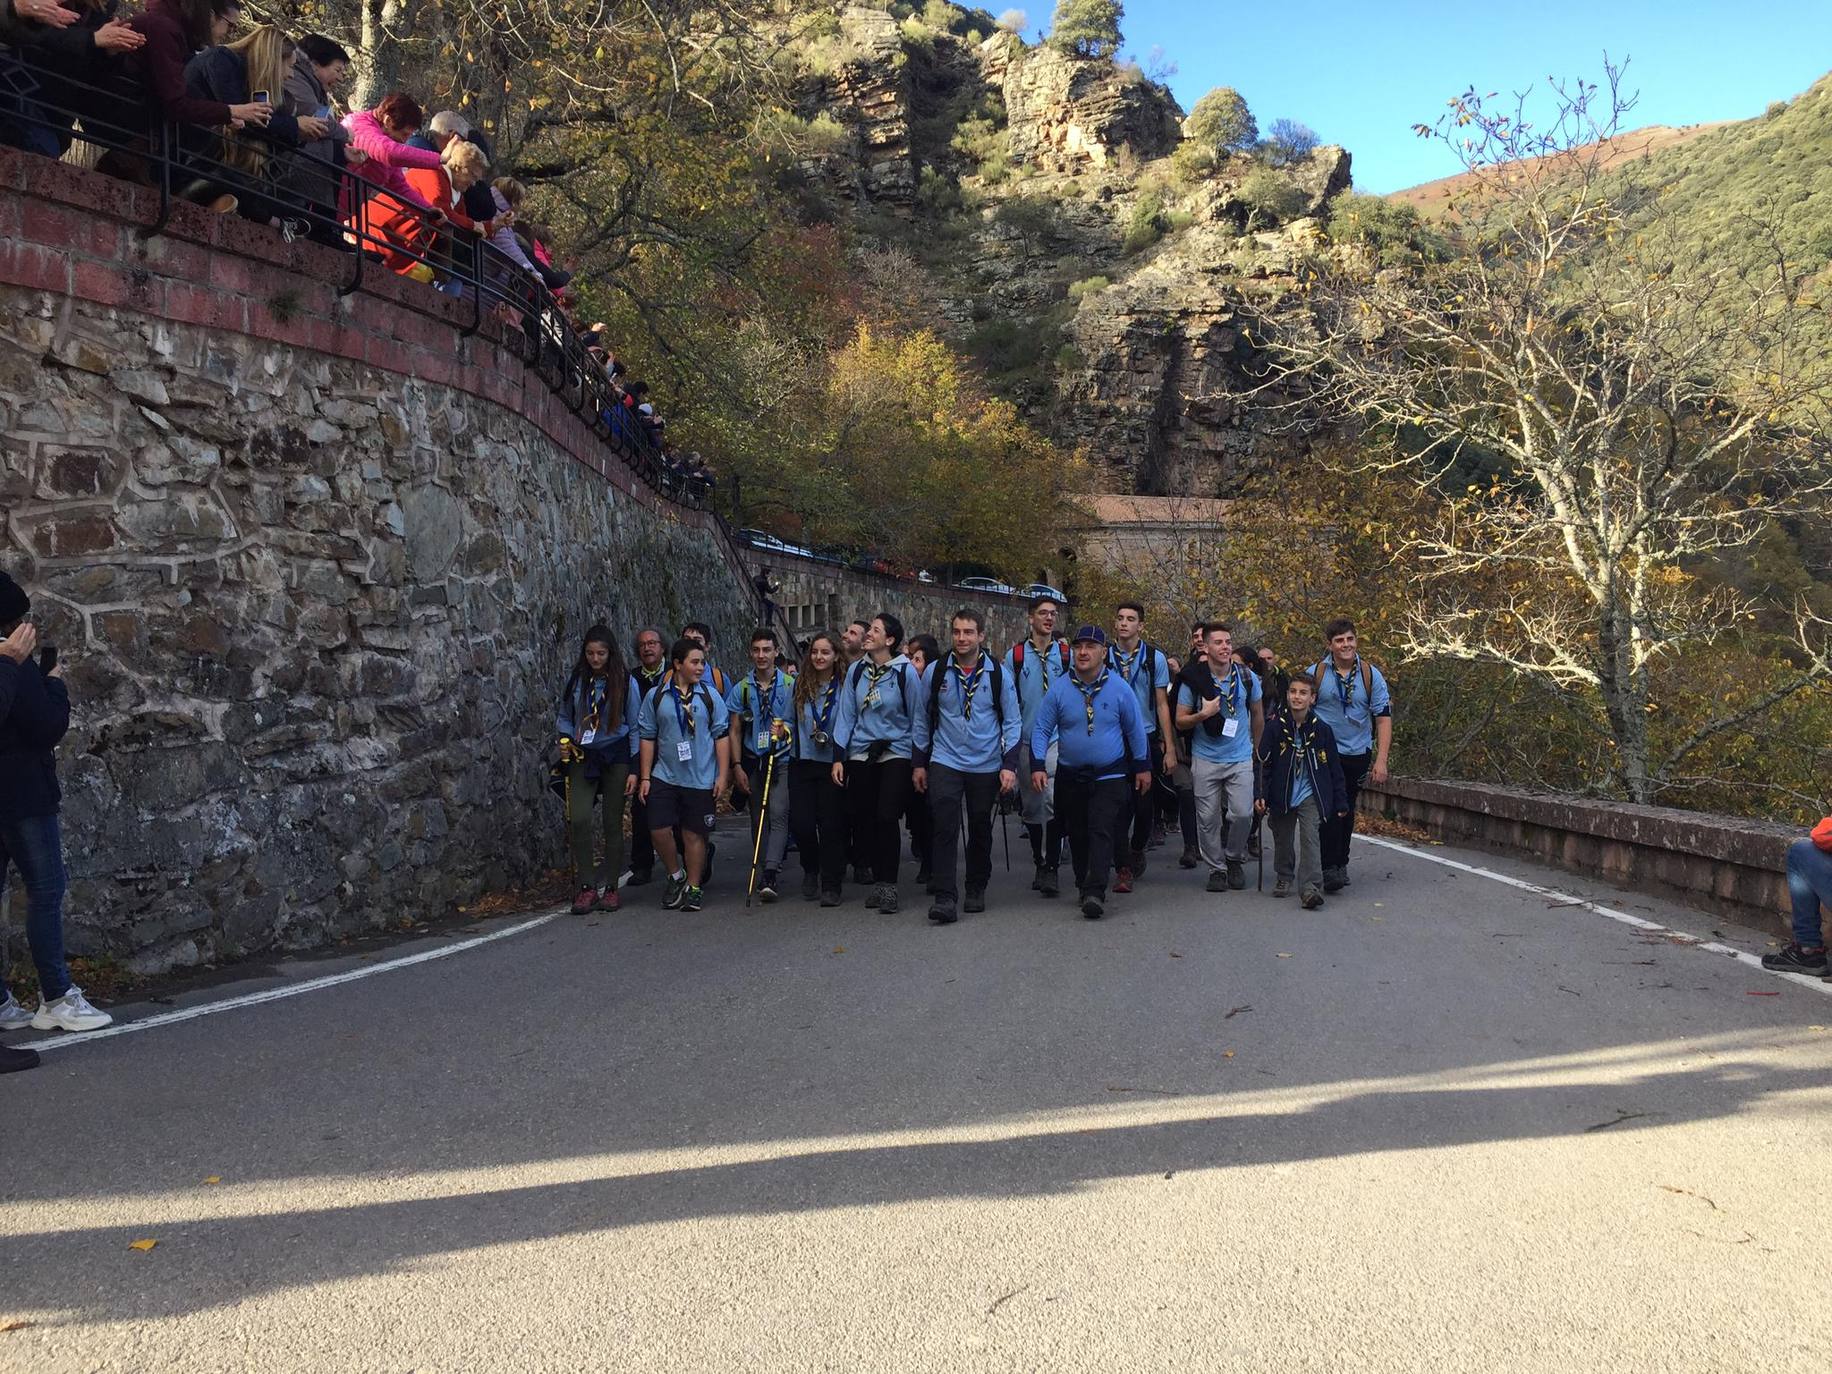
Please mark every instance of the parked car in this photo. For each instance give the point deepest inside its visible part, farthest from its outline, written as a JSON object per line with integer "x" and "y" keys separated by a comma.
{"x": 985, "y": 584}
{"x": 1041, "y": 589}
{"x": 758, "y": 539}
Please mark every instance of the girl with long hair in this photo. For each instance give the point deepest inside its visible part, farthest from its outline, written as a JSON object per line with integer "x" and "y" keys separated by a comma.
{"x": 817, "y": 804}
{"x": 597, "y": 745}
{"x": 248, "y": 155}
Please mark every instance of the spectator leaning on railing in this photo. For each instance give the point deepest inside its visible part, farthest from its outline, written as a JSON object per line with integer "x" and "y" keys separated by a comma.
{"x": 73, "y": 66}
{"x": 313, "y": 179}
{"x": 255, "y": 154}
{"x": 34, "y": 714}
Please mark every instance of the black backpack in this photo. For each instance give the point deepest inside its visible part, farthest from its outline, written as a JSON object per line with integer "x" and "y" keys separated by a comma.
{"x": 858, "y": 676}
{"x": 667, "y": 685}
{"x": 998, "y": 694}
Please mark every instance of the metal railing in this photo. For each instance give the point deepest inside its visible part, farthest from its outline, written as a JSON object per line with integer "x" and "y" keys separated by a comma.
{"x": 382, "y": 233}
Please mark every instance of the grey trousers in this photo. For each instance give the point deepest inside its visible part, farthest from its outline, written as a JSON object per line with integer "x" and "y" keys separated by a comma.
{"x": 776, "y": 843}
{"x": 1304, "y": 827}
{"x": 1214, "y": 784}
{"x": 1036, "y": 808}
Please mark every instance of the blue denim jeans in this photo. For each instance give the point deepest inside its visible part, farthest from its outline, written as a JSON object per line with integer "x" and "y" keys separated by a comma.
{"x": 1809, "y": 882}
{"x": 35, "y": 847}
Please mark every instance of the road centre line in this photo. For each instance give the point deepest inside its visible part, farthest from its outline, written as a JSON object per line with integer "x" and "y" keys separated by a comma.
{"x": 1818, "y": 985}
{"x": 253, "y": 999}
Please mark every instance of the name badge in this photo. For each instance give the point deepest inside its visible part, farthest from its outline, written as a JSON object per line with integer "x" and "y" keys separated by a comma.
{"x": 1230, "y": 728}
{"x": 684, "y": 751}
{"x": 588, "y": 737}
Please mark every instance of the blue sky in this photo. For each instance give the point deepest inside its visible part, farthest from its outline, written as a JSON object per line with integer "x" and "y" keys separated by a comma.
{"x": 1362, "y": 72}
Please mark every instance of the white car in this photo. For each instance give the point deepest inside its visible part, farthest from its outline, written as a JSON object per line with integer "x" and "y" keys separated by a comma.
{"x": 985, "y": 584}
{"x": 757, "y": 539}
{"x": 1037, "y": 589}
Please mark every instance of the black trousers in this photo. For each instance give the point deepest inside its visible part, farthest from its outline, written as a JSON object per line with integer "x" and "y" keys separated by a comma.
{"x": 949, "y": 792}
{"x": 1144, "y": 803}
{"x": 876, "y": 793}
{"x": 916, "y": 816}
{"x": 1093, "y": 816}
{"x": 1339, "y": 830}
{"x": 819, "y": 821}
{"x": 642, "y": 848}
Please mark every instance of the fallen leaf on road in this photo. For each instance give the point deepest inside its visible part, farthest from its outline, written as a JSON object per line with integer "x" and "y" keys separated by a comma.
{"x": 1227, "y": 1054}
{"x": 22, "y": 1324}
{"x": 839, "y": 949}
{"x": 1815, "y": 1028}
{"x": 142, "y": 1244}
{"x": 214, "y": 1179}
{"x": 1284, "y": 956}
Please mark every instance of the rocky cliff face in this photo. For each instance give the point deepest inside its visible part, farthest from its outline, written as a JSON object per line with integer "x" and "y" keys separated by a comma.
{"x": 1108, "y": 286}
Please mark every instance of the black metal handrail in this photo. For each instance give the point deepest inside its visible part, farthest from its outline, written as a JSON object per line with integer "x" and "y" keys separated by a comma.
{"x": 174, "y": 158}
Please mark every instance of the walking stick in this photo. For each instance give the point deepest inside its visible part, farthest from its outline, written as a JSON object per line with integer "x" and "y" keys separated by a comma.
{"x": 1005, "y": 829}
{"x": 763, "y": 824}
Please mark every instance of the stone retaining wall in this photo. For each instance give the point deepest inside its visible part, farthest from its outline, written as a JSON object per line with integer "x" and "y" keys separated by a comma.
{"x": 1720, "y": 864}
{"x": 317, "y": 565}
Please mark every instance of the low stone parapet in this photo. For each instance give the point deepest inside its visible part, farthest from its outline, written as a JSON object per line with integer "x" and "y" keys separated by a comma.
{"x": 1720, "y": 864}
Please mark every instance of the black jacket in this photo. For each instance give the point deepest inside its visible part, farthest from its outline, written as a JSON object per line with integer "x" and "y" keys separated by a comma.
{"x": 34, "y": 714}
{"x": 1284, "y": 746}
{"x": 219, "y": 74}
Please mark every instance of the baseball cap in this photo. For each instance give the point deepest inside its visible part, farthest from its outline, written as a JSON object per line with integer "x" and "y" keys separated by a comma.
{"x": 1093, "y": 633}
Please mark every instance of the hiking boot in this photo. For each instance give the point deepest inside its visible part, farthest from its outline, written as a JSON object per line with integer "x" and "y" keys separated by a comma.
{"x": 1122, "y": 881}
{"x": 766, "y": 890}
{"x": 1281, "y": 887}
{"x": 1796, "y": 958}
{"x": 1218, "y": 881}
{"x": 609, "y": 901}
{"x": 692, "y": 899}
{"x": 1237, "y": 875}
{"x": 13, "y": 1016}
{"x": 877, "y": 896}
{"x": 677, "y": 889}
{"x": 861, "y": 874}
{"x": 1092, "y": 907}
{"x": 1312, "y": 899}
{"x": 942, "y": 912}
{"x": 1047, "y": 886}
{"x": 70, "y": 1012}
{"x": 811, "y": 886}
{"x": 1037, "y": 879}
{"x": 585, "y": 901}
{"x": 976, "y": 901}
{"x": 831, "y": 897}
{"x": 887, "y": 897}
{"x": 17, "y": 1061}
{"x": 1334, "y": 880}
{"x": 1138, "y": 863}
{"x": 1189, "y": 858}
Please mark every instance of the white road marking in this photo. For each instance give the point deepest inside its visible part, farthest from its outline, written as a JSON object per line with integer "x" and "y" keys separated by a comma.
{"x": 1639, "y": 922}
{"x": 254, "y": 999}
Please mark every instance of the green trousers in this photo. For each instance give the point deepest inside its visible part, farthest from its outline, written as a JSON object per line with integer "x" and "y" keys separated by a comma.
{"x": 580, "y": 794}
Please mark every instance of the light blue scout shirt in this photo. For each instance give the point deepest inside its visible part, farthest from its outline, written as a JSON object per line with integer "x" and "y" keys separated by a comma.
{"x": 1344, "y": 706}
{"x": 757, "y": 704}
{"x": 816, "y": 719}
{"x": 973, "y": 734}
{"x": 1238, "y": 690}
{"x": 694, "y": 726}
{"x": 1040, "y": 671}
{"x": 1145, "y": 685}
{"x": 1115, "y": 745}
{"x": 577, "y": 721}
{"x": 877, "y": 704}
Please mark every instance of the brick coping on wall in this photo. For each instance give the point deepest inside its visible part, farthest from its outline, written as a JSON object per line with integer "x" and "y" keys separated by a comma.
{"x": 79, "y": 233}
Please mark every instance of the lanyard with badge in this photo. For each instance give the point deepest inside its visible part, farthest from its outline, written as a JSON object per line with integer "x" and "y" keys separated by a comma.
{"x": 594, "y": 707}
{"x": 1089, "y": 691}
{"x": 683, "y": 714}
{"x": 1230, "y": 727}
{"x": 766, "y": 721}
{"x": 969, "y": 684}
{"x": 823, "y": 718}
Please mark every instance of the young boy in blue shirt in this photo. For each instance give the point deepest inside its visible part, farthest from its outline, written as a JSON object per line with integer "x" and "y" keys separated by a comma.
{"x": 1298, "y": 785}
{"x": 966, "y": 755}
{"x": 873, "y": 741}
{"x": 1094, "y": 720}
{"x": 685, "y": 755}
{"x": 761, "y": 735}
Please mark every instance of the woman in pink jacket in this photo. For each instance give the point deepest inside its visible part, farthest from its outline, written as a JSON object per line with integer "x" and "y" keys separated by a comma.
{"x": 393, "y": 220}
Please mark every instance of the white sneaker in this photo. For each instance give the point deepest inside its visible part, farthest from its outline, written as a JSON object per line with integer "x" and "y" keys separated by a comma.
{"x": 70, "y": 1012}
{"x": 623, "y": 878}
{"x": 13, "y": 1016}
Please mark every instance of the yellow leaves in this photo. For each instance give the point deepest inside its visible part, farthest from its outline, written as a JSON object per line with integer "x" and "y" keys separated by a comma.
{"x": 142, "y": 1245}
{"x": 213, "y": 1180}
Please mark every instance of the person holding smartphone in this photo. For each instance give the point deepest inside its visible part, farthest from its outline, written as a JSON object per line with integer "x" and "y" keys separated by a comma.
{"x": 34, "y": 714}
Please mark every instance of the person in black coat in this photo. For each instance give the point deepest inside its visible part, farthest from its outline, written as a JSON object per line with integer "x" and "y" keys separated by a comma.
{"x": 1298, "y": 782}
{"x": 252, "y": 156}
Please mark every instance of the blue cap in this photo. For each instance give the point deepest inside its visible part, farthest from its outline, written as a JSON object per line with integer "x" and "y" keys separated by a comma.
{"x": 1093, "y": 633}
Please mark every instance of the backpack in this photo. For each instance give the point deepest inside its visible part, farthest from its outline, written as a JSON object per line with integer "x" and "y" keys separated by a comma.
{"x": 667, "y": 685}
{"x": 1017, "y": 656}
{"x": 1367, "y": 677}
{"x": 1147, "y": 664}
{"x": 858, "y": 676}
{"x": 998, "y": 695}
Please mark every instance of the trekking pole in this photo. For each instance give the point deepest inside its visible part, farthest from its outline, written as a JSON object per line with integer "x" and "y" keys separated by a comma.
{"x": 566, "y": 819}
{"x": 1005, "y": 829}
{"x": 762, "y": 820}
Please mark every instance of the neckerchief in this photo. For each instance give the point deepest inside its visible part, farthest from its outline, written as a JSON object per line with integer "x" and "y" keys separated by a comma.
{"x": 595, "y": 691}
{"x": 874, "y": 674}
{"x": 823, "y": 716}
{"x": 1043, "y": 660}
{"x": 1300, "y": 739}
{"x": 1345, "y": 682}
{"x": 1226, "y": 691}
{"x": 1089, "y": 691}
{"x": 969, "y": 683}
{"x": 1128, "y": 664}
{"x": 683, "y": 709}
{"x": 760, "y": 722}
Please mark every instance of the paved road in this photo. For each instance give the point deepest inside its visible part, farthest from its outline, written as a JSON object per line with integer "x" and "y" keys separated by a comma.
{"x": 1437, "y": 1125}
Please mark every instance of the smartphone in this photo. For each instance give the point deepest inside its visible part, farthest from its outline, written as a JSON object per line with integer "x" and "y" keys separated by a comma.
{"x": 260, "y": 98}
{"x": 47, "y": 657}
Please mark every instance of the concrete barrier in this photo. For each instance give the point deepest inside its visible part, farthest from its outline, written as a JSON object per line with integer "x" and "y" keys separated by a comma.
{"x": 1719, "y": 864}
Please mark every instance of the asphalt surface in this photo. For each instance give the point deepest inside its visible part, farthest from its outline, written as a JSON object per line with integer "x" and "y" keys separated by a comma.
{"x": 1440, "y": 1124}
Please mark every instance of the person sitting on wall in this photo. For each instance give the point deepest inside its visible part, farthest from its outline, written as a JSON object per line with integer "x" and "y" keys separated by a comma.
{"x": 1809, "y": 887}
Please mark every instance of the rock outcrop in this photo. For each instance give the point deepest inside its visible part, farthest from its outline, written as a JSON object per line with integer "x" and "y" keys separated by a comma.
{"x": 1068, "y": 113}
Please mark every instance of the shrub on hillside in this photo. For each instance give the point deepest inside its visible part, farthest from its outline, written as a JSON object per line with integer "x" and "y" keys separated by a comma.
{"x": 1270, "y": 199}
{"x": 1221, "y": 123}
{"x": 1088, "y": 286}
{"x": 1086, "y": 28}
{"x": 1394, "y": 234}
{"x": 1287, "y": 142}
{"x": 1145, "y": 226}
